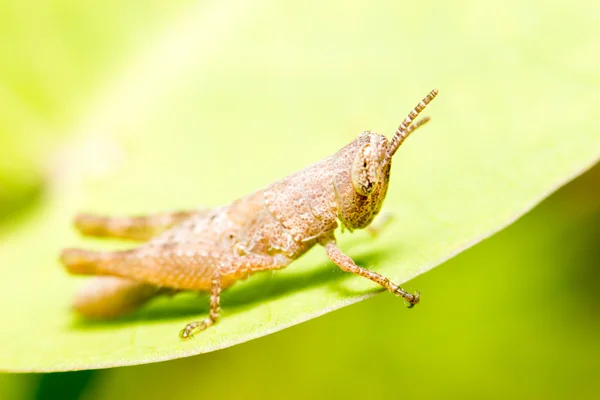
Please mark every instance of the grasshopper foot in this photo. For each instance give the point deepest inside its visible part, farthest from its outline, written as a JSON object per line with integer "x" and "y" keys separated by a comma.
{"x": 412, "y": 299}
{"x": 199, "y": 326}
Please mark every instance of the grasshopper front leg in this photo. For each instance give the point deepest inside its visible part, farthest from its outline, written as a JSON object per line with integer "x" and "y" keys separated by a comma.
{"x": 348, "y": 265}
{"x": 380, "y": 223}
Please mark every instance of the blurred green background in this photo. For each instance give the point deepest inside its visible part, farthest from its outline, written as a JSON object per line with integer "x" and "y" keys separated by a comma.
{"x": 515, "y": 316}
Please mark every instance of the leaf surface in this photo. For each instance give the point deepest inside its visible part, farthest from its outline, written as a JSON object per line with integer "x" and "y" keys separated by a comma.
{"x": 221, "y": 98}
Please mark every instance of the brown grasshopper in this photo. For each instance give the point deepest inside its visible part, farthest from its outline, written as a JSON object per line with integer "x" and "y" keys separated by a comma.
{"x": 209, "y": 250}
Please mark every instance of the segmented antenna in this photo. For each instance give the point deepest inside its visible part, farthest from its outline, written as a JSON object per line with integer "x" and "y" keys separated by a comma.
{"x": 413, "y": 127}
{"x": 406, "y": 128}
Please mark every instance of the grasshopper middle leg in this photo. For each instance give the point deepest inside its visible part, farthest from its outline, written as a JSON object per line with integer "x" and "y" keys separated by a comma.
{"x": 214, "y": 313}
{"x": 239, "y": 268}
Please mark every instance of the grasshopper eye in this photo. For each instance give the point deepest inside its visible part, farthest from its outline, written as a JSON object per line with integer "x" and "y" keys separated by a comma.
{"x": 365, "y": 170}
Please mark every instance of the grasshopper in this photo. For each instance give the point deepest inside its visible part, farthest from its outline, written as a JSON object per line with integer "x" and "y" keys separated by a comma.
{"x": 211, "y": 249}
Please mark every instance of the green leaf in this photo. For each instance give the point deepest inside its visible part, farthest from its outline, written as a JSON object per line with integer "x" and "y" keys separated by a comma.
{"x": 222, "y": 98}
{"x": 526, "y": 297}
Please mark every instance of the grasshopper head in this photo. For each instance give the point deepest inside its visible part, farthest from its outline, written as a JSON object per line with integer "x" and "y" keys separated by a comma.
{"x": 362, "y": 184}
{"x": 366, "y": 170}
{"x": 360, "y": 193}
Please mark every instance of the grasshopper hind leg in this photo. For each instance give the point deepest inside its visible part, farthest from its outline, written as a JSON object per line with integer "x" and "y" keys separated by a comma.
{"x": 140, "y": 228}
{"x": 106, "y": 297}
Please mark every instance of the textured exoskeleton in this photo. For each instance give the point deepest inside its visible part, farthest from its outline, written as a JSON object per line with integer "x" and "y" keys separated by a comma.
{"x": 209, "y": 250}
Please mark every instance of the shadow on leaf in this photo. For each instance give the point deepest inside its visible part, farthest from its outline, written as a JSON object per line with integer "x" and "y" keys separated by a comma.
{"x": 260, "y": 288}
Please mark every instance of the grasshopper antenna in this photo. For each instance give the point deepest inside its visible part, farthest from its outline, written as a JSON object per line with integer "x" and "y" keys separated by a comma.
{"x": 406, "y": 128}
